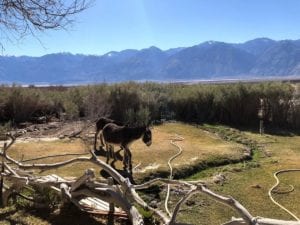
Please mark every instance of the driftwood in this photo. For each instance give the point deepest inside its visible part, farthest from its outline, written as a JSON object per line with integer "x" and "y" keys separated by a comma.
{"x": 122, "y": 194}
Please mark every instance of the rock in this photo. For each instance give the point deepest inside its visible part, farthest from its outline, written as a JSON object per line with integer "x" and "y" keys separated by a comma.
{"x": 177, "y": 190}
{"x": 41, "y": 119}
{"x": 236, "y": 169}
{"x": 20, "y": 132}
{"x": 268, "y": 153}
{"x": 90, "y": 135}
{"x": 256, "y": 186}
{"x": 154, "y": 204}
{"x": 274, "y": 161}
{"x": 54, "y": 119}
{"x": 24, "y": 125}
{"x": 53, "y": 125}
{"x": 219, "y": 179}
{"x": 190, "y": 202}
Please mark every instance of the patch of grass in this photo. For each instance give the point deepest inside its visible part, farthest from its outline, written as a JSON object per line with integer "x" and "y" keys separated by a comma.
{"x": 12, "y": 215}
{"x": 200, "y": 150}
{"x": 30, "y": 150}
{"x": 249, "y": 182}
{"x": 204, "y": 174}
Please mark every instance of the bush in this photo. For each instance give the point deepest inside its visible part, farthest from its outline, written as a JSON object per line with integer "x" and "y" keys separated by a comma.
{"x": 138, "y": 103}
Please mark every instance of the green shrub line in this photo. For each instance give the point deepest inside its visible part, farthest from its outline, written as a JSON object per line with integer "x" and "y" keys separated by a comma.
{"x": 136, "y": 103}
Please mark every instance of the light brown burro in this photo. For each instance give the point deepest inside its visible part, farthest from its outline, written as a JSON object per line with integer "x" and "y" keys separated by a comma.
{"x": 123, "y": 136}
{"x": 100, "y": 123}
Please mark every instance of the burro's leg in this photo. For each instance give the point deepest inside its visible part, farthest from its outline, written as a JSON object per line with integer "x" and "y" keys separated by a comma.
{"x": 112, "y": 152}
{"x": 125, "y": 158}
{"x": 95, "y": 141}
{"x": 129, "y": 161}
{"x": 101, "y": 138}
{"x": 107, "y": 147}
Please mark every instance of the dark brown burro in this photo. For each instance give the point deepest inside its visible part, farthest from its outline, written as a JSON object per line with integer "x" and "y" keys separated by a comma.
{"x": 100, "y": 123}
{"x": 123, "y": 136}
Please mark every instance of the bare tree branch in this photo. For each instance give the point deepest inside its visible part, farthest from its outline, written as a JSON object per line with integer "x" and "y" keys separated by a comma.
{"x": 19, "y": 18}
{"x": 123, "y": 193}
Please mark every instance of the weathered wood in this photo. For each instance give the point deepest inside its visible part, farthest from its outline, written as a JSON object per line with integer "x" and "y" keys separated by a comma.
{"x": 262, "y": 221}
{"x": 54, "y": 156}
{"x": 96, "y": 204}
{"x": 110, "y": 182}
{"x": 247, "y": 217}
{"x": 110, "y": 219}
{"x": 110, "y": 195}
{"x": 177, "y": 207}
{"x": 40, "y": 181}
{"x": 1, "y": 178}
{"x": 89, "y": 174}
{"x": 123, "y": 193}
{"x": 235, "y": 221}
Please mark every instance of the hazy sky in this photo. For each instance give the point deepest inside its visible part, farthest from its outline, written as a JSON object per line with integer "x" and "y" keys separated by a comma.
{"x": 121, "y": 24}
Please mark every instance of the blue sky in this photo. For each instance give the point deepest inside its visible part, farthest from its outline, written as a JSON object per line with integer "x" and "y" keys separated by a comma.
{"x": 122, "y": 24}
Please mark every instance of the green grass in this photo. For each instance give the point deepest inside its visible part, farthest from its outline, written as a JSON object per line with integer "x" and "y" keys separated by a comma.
{"x": 283, "y": 153}
{"x": 210, "y": 144}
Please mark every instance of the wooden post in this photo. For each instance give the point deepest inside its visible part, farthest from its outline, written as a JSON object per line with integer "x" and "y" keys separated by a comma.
{"x": 1, "y": 179}
{"x": 261, "y": 115}
{"x": 261, "y": 127}
{"x": 110, "y": 221}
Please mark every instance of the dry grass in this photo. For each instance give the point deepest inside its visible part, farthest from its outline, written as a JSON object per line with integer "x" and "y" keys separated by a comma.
{"x": 198, "y": 145}
{"x": 279, "y": 152}
{"x": 36, "y": 149}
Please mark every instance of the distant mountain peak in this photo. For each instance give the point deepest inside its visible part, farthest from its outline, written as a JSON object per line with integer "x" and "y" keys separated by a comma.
{"x": 263, "y": 39}
{"x": 259, "y": 57}
{"x": 211, "y": 42}
{"x": 110, "y": 54}
{"x": 59, "y": 54}
{"x": 257, "y": 46}
{"x": 152, "y": 48}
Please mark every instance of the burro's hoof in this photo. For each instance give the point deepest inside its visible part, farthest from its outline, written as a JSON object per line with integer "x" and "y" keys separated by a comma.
{"x": 97, "y": 152}
{"x": 129, "y": 171}
{"x": 126, "y": 170}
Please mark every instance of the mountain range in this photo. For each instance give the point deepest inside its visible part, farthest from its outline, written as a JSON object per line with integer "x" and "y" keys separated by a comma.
{"x": 258, "y": 58}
